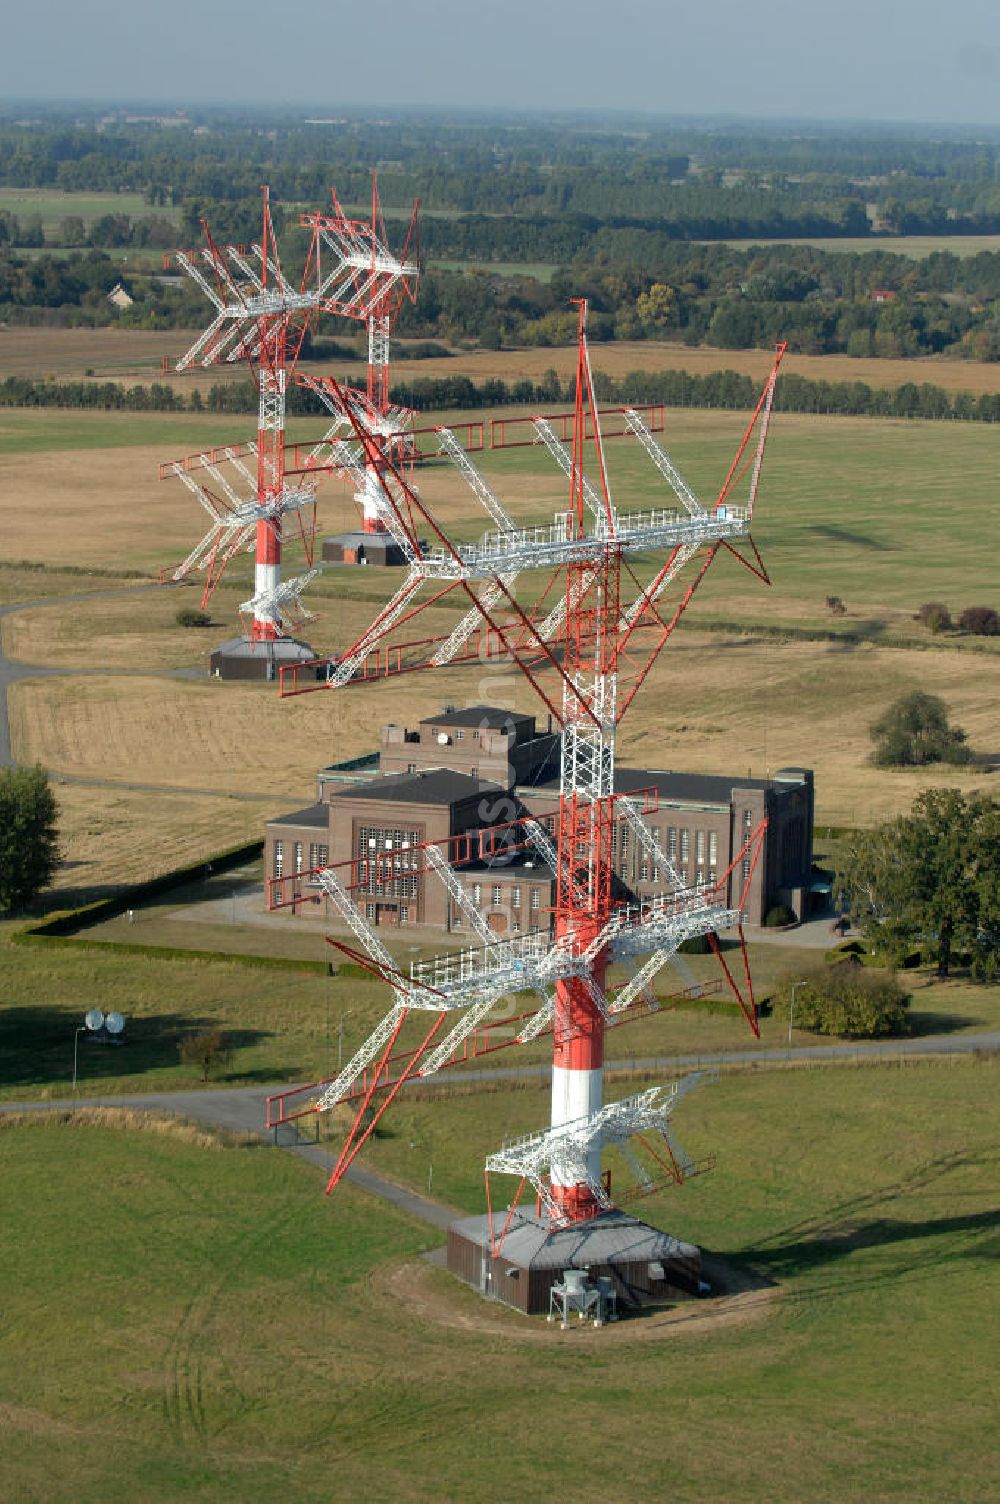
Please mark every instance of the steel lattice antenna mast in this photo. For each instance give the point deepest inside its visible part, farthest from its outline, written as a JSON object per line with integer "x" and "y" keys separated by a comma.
{"x": 261, "y": 318}
{"x": 600, "y": 649}
{"x": 370, "y": 285}
{"x": 590, "y": 640}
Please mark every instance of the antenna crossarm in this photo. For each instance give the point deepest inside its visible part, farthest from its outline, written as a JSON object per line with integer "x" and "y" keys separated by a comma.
{"x": 548, "y": 547}
{"x": 665, "y": 465}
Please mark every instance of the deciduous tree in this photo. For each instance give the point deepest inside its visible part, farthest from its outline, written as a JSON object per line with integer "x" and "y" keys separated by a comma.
{"x": 915, "y": 731}
{"x": 29, "y": 846}
{"x": 930, "y": 880}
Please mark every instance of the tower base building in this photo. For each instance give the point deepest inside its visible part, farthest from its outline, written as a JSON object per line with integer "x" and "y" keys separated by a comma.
{"x": 645, "y": 1266}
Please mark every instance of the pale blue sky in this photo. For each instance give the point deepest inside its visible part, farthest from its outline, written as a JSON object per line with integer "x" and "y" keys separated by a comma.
{"x": 855, "y": 59}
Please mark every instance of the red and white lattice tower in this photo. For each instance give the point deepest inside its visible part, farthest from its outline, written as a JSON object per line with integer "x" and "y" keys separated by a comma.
{"x": 587, "y": 656}
{"x": 370, "y": 285}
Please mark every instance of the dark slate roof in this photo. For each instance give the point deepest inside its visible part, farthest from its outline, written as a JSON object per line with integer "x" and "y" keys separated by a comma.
{"x": 313, "y": 814}
{"x": 613, "y": 1238}
{"x": 432, "y": 786}
{"x": 281, "y": 649}
{"x": 358, "y": 539}
{"x": 690, "y": 788}
{"x": 481, "y": 717}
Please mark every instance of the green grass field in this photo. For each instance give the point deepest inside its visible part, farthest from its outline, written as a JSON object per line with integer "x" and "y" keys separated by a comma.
{"x": 54, "y": 206}
{"x": 184, "y": 1320}
{"x": 289, "y": 1026}
{"x": 35, "y": 431}
{"x": 884, "y": 514}
{"x": 915, "y": 246}
{"x": 542, "y": 271}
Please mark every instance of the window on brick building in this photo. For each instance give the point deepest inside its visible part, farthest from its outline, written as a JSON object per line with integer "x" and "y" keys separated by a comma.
{"x": 536, "y": 899}
{"x": 497, "y": 895}
{"x": 515, "y": 896}
{"x": 319, "y": 856}
{"x": 387, "y": 863}
{"x": 279, "y": 858}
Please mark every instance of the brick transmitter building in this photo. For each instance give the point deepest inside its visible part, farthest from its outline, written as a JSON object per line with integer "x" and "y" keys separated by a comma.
{"x": 463, "y": 770}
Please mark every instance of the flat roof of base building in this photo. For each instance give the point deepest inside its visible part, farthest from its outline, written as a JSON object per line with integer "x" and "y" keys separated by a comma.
{"x": 611, "y": 1238}
{"x": 430, "y": 786}
{"x": 313, "y": 814}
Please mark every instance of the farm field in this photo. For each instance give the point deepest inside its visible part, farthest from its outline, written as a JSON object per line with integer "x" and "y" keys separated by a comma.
{"x": 915, "y": 246}
{"x": 849, "y": 507}
{"x": 542, "y": 271}
{"x": 209, "y": 1368}
{"x": 55, "y": 205}
{"x": 135, "y": 355}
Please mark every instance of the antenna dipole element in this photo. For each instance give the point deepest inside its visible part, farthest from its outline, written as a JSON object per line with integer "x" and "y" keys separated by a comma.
{"x": 366, "y": 282}
{"x": 261, "y": 318}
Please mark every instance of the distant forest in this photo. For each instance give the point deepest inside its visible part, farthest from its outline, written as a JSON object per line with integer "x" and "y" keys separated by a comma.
{"x": 631, "y": 214}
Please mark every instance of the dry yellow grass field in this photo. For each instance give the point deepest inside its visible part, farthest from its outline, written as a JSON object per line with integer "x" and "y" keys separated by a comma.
{"x": 135, "y": 355}
{"x": 134, "y": 629}
{"x": 236, "y": 738}
{"x": 101, "y": 507}
{"x": 838, "y": 495}
{"x": 620, "y": 358}
{"x": 119, "y": 835}
{"x": 812, "y": 705}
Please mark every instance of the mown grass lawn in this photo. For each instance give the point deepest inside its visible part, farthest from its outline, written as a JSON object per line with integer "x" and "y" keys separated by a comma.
{"x": 189, "y": 1321}
{"x": 294, "y": 1026}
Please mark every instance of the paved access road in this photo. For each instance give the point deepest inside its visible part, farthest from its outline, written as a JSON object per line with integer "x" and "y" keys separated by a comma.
{"x": 241, "y": 1109}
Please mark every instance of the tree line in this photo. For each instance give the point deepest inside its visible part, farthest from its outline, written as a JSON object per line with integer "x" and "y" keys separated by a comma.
{"x": 672, "y": 388}
{"x": 702, "y": 177}
{"x": 639, "y": 284}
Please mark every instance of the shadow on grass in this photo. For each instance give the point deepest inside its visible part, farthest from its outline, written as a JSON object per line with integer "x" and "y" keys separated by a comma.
{"x": 810, "y": 1254}
{"x": 261, "y": 1076}
{"x": 855, "y": 540}
{"x": 56, "y": 900}
{"x": 808, "y": 1246}
{"x": 923, "y": 1023}
{"x": 37, "y": 1046}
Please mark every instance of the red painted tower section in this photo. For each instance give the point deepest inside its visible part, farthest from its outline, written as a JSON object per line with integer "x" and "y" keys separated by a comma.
{"x": 586, "y": 808}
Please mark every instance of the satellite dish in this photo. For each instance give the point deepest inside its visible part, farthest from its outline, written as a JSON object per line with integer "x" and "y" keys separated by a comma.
{"x": 94, "y": 1019}
{"x": 115, "y": 1023}
{"x": 443, "y": 738}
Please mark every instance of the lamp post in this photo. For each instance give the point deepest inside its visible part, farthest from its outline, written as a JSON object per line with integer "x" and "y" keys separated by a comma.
{"x": 791, "y": 1008}
{"x": 76, "y": 1045}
